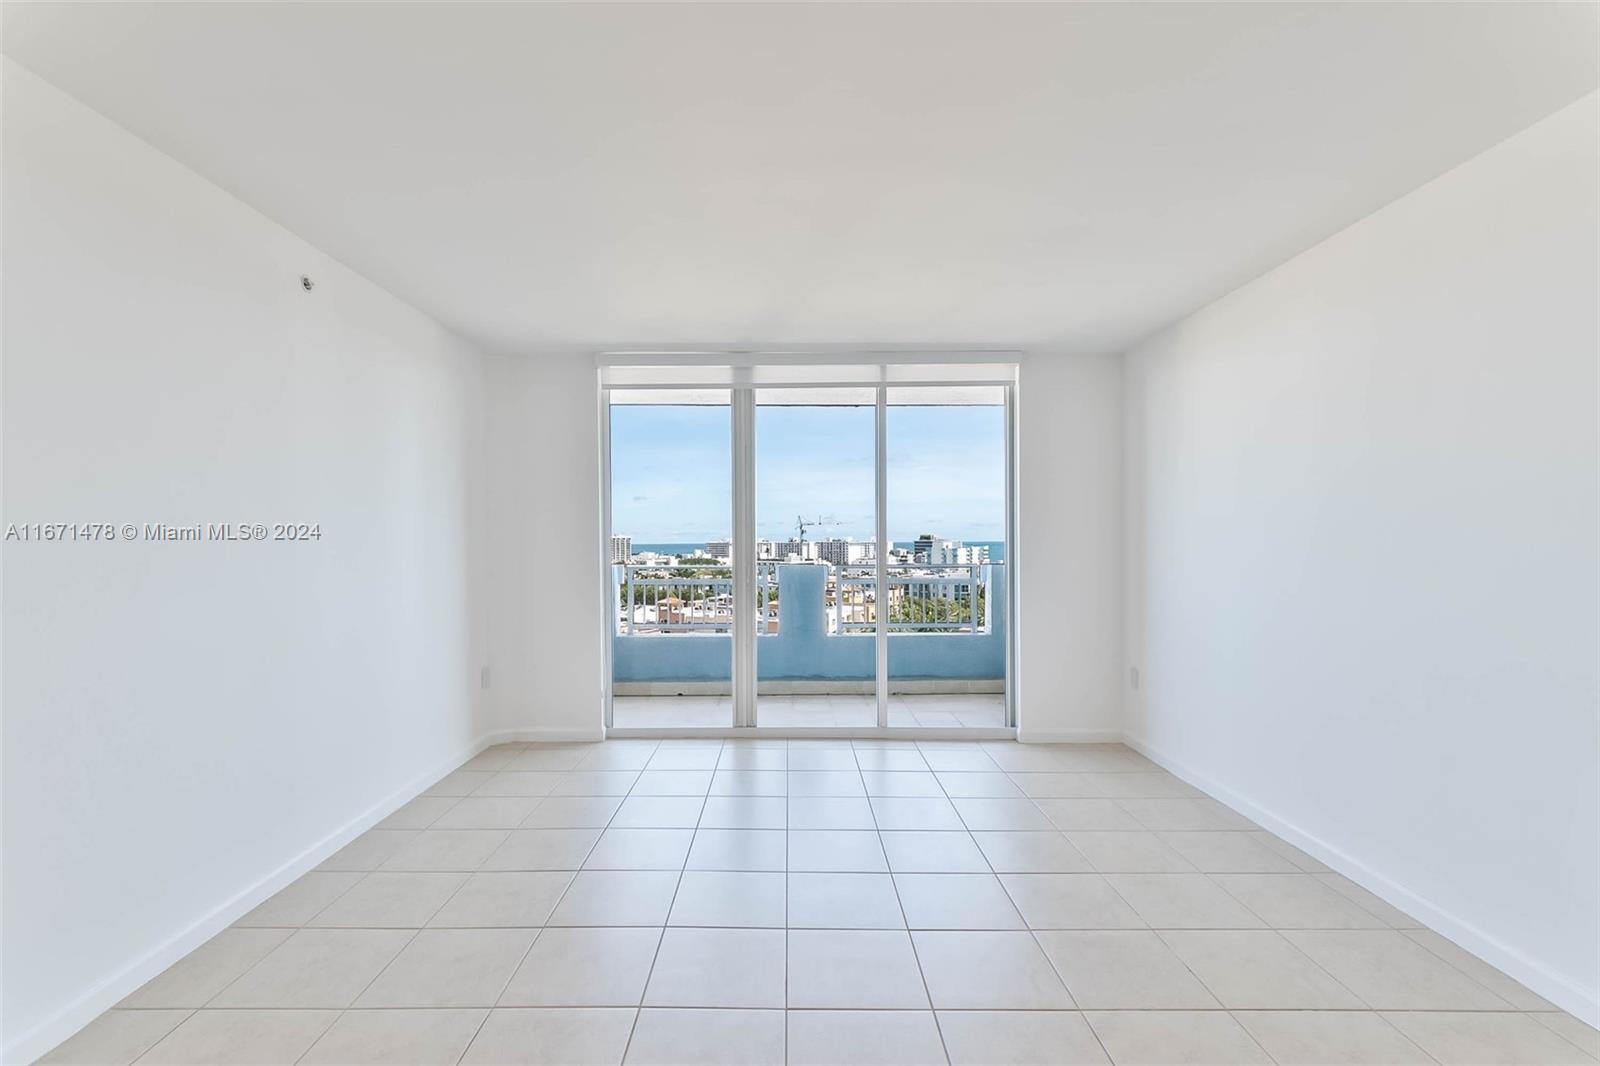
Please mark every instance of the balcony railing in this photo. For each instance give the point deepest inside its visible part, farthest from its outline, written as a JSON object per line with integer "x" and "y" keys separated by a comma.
{"x": 694, "y": 598}
{"x": 923, "y": 598}
{"x": 698, "y": 598}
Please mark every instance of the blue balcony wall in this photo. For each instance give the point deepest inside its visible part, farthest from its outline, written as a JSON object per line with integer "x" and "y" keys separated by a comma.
{"x": 802, "y": 649}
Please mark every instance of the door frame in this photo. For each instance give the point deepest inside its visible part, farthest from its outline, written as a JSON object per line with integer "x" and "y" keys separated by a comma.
{"x": 737, "y": 375}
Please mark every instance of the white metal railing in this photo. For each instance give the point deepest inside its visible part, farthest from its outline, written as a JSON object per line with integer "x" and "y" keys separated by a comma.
{"x": 689, "y": 598}
{"x": 923, "y": 598}
{"x": 851, "y": 598}
{"x": 698, "y": 598}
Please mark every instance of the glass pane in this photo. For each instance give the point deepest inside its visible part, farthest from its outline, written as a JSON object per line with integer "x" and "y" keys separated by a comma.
{"x": 946, "y": 569}
{"x": 816, "y": 655}
{"x": 672, "y": 580}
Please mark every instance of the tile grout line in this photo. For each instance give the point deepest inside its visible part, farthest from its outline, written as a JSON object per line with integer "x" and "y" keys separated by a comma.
{"x": 1034, "y": 935}
{"x": 1233, "y": 1013}
{"x": 337, "y": 1011}
{"x": 786, "y": 904}
{"x": 537, "y": 936}
{"x": 513, "y": 972}
{"x": 859, "y": 929}
{"x": 1403, "y": 932}
{"x": 911, "y": 941}
{"x": 568, "y": 888}
{"x": 722, "y": 747}
{"x": 1209, "y": 990}
{"x": 666, "y": 920}
{"x": 1210, "y": 877}
{"x": 1266, "y": 926}
{"x": 342, "y": 1011}
{"x": 1558, "y": 1033}
{"x": 188, "y": 1013}
{"x": 1243, "y": 1029}
{"x": 511, "y": 975}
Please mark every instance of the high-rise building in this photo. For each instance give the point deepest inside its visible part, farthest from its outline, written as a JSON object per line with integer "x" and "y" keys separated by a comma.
{"x": 936, "y": 551}
{"x": 845, "y": 551}
{"x": 720, "y": 549}
{"x": 954, "y": 553}
{"x": 621, "y": 548}
{"x": 804, "y": 550}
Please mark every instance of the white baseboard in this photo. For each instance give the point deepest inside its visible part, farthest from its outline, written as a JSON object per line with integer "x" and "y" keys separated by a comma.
{"x": 904, "y": 686}
{"x": 1557, "y": 988}
{"x": 115, "y": 987}
{"x": 1068, "y": 736}
{"x": 776, "y": 732}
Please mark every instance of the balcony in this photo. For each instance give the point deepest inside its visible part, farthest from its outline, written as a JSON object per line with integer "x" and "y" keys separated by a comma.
{"x": 816, "y": 646}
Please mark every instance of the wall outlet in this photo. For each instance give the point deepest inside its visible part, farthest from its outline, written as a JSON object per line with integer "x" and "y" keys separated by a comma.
{"x": 1133, "y": 678}
{"x": 483, "y": 677}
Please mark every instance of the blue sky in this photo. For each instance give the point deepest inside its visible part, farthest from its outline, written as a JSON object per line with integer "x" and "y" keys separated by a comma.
{"x": 670, "y": 472}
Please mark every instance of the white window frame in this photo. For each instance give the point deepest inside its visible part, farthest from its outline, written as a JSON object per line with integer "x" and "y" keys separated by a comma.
{"x": 740, "y": 374}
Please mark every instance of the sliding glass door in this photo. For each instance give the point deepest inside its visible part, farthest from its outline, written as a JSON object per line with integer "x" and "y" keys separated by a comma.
{"x": 816, "y": 525}
{"x": 946, "y": 571}
{"x": 670, "y": 559}
{"x": 808, "y": 548}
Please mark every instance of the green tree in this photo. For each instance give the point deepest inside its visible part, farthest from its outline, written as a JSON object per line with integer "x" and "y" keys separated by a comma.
{"x": 933, "y": 614}
{"x": 701, "y": 567}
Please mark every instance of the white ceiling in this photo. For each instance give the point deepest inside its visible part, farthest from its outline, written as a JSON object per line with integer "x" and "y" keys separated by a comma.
{"x": 1077, "y": 175}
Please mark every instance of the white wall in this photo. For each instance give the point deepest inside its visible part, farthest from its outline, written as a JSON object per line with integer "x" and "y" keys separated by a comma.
{"x": 546, "y": 649}
{"x": 169, "y": 709}
{"x": 547, "y": 665}
{"x": 1069, "y": 533}
{"x": 1362, "y": 572}
{"x": 184, "y": 720}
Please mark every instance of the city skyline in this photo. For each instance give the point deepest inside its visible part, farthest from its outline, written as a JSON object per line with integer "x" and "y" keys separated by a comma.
{"x": 933, "y": 549}
{"x": 671, "y": 476}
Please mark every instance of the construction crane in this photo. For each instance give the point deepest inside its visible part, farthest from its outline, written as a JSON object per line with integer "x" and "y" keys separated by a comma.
{"x": 801, "y": 525}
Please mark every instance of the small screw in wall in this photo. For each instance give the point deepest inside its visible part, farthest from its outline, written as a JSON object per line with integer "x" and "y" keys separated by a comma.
{"x": 306, "y": 283}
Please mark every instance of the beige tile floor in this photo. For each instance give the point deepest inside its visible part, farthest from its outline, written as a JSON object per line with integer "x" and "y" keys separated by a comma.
{"x": 928, "y": 711}
{"x": 825, "y": 902}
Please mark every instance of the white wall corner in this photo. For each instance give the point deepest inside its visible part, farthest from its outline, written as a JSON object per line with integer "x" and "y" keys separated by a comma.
{"x": 118, "y": 985}
{"x": 1579, "y": 1001}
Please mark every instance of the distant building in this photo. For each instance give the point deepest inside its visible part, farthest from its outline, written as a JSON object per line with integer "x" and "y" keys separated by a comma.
{"x": 845, "y": 551}
{"x": 655, "y": 559}
{"x": 720, "y": 549}
{"x": 621, "y": 548}
{"x": 936, "y": 551}
{"x": 954, "y": 553}
{"x": 794, "y": 548}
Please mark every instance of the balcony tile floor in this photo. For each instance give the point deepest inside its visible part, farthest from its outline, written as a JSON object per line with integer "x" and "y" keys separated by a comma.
{"x": 769, "y": 901}
{"x": 931, "y": 711}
